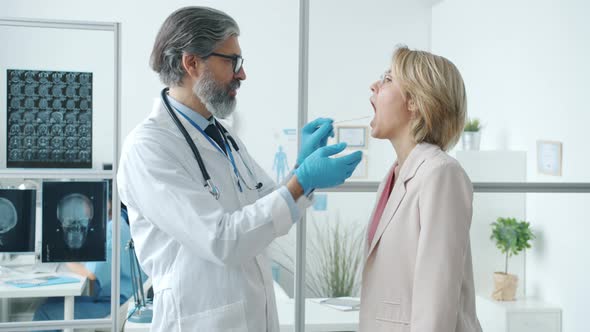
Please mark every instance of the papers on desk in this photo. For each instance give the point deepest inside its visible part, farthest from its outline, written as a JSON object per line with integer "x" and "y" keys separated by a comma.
{"x": 41, "y": 281}
{"x": 342, "y": 303}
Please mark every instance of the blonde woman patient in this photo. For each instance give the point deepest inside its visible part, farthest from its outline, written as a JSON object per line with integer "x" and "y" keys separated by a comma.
{"x": 418, "y": 274}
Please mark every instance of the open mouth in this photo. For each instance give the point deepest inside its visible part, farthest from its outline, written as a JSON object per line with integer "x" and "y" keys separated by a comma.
{"x": 374, "y": 111}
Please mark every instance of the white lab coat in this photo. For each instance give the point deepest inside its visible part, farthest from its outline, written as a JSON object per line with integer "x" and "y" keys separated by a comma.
{"x": 206, "y": 256}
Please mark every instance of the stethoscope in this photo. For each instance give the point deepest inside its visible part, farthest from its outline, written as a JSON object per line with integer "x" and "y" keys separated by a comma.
{"x": 213, "y": 189}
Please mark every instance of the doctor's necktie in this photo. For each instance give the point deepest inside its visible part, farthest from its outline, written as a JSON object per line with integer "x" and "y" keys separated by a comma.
{"x": 214, "y": 133}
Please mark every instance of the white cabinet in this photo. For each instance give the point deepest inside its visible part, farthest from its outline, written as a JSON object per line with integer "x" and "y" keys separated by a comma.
{"x": 525, "y": 315}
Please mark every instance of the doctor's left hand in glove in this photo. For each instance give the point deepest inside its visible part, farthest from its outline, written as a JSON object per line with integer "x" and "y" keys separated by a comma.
{"x": 202, "y": 211}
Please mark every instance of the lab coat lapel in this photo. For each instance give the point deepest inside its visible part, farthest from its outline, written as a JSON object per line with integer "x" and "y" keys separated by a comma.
{"x": 407, "y": 172}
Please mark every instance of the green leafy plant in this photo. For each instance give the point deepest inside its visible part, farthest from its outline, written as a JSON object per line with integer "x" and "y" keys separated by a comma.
{"x": 472, "y": 125}
{"x": 511, "y": 236}
{"x": 334, "y": 260}
{"x": 334, "y": 253}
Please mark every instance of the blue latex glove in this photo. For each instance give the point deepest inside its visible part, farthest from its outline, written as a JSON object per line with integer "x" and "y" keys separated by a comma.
{"x": 314, "y": 135}
{"x": 320, "y": 171}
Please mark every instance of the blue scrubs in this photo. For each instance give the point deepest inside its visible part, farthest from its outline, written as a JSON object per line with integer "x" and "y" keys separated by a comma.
{"x": 98, "y": 305}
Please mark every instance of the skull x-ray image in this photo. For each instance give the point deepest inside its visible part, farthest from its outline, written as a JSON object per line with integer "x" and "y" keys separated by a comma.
{"x": 74, "y": 213}
{"x": 74, "y": 221}
{"x": 17, "y": 220}
{"x": 44, "y": 109}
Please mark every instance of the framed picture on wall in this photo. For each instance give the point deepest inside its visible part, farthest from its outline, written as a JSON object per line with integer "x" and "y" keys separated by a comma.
{"x": 353, "y": 136}
{"x": 17, "y": 220}
{"x": 74, "y": 221}
{"x": 361, "y": 171}
{"x": 549, "y": 156}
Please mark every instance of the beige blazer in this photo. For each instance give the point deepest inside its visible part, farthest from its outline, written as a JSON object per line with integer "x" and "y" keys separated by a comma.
{"x": 418, "y": 275}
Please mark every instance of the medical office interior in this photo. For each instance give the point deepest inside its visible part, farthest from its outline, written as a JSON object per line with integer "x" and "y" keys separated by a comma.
{"x": 525, "y": 68}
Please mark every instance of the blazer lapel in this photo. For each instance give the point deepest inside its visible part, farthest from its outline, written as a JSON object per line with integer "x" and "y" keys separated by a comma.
{"x": 378, "y": 196}
{"x": 397, "y": 195}
{"x": 407, "y": 172}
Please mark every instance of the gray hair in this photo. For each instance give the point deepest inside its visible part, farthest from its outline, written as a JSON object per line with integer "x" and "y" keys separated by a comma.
{"x": 194, "y": 30}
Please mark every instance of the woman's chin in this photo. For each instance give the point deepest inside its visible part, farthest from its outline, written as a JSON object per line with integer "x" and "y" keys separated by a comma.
{"x": 375, "y": 133}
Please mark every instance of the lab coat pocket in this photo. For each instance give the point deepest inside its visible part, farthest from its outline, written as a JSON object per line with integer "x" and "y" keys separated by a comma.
{"x": 230, "y": 317}
{"x": 389, "y": 317}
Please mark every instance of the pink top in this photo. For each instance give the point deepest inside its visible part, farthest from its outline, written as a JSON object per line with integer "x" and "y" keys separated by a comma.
{"x": 381, "y": 204}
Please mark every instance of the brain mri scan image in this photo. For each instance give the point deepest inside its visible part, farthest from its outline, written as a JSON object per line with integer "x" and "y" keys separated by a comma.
{"x": 74, "y": 221}
{"x": 17, "y": 220}
{"x": 8, "y": 215}
{"x": 50, "y": 104}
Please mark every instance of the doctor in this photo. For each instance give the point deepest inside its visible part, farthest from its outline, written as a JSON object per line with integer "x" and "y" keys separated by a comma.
{"x": 202, "y": 211}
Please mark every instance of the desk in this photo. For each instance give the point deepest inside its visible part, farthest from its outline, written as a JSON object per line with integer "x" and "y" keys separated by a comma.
{"x": 318, "y": 318}
{"x": 522, "y": 315}
{"x": 68, "y": 291}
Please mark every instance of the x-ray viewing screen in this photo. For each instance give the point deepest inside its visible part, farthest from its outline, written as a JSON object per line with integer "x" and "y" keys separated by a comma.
{"x": 49, "y": 119}
{"x": 74, "y": 221}
{"x": 17, "y": 220}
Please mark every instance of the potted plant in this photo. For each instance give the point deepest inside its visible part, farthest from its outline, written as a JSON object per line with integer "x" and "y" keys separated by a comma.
{"x": 334, "y": 260}
{"x": 471, "y": 134}
{"x": 511, "y": 237}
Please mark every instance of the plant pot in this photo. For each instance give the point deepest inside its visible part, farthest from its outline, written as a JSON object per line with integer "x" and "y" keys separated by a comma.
{"x": 470, "y": 140}
{"x": 504, "y": 286}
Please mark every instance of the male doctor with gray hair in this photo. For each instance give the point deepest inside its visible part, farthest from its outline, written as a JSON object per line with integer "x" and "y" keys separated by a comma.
{"x": 202, "y": 211}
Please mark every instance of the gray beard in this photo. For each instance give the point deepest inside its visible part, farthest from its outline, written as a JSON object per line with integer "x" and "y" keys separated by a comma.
{"x": 216, "y": 99}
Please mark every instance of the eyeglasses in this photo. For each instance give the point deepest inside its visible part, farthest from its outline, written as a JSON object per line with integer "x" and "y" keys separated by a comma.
{"x": 237, "y": 60}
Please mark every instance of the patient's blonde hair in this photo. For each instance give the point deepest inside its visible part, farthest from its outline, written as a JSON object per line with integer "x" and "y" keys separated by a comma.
{"x": 436, "y": 88}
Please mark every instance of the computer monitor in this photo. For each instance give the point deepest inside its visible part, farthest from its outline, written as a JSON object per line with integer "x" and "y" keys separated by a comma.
{"x": 74, "y": 221}
{"x": 17, "y": 220}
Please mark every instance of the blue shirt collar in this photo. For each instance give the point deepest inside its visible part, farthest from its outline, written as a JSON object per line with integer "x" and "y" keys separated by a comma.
{"x": 200, "y": 120}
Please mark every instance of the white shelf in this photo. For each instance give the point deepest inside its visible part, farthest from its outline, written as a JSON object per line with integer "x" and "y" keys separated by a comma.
{"x": 36, "y": 173}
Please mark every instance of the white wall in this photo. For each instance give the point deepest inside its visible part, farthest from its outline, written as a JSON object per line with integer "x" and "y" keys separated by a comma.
{"x": 350, "y": 47}
{"x": 525, "y": 67}
{"x": 268, "y": 39}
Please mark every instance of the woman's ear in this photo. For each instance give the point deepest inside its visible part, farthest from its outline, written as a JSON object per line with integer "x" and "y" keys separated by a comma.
{"x": 412, "y": 107}
{"x": 191, "y": 64}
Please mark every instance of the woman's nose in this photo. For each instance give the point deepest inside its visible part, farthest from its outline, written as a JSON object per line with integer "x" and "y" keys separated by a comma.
{"x": 374, "y": 87}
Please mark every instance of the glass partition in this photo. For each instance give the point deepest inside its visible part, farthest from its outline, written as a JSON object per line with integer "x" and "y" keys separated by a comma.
{"x": 59, "y": 86}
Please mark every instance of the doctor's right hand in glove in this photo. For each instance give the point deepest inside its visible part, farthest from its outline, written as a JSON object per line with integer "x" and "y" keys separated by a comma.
{"x": 314, "y": 135}
{"x": 318, "y": 170}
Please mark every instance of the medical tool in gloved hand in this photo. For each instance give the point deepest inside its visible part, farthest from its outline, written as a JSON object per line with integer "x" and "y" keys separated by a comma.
{"x": 354, "y": 119}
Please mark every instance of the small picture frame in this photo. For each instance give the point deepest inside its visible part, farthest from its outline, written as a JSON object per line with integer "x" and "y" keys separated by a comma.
{"x": 549, "y": 157}
{"x": 354, "y": 136}
{"x": 361, "y": 171}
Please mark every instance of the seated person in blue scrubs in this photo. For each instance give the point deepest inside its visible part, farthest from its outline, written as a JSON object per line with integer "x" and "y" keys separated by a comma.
{"x": 98, "y": 305}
